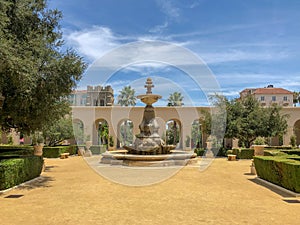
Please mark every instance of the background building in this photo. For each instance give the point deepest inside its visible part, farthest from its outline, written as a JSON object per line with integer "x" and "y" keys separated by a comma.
{"x": 93, "y": 96}
{"x": 270, "y": 95}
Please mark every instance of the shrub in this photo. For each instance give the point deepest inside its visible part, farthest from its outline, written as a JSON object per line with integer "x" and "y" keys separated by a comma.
{"x": 281, "y": 170}
{"x": 17, "y": 171}
{"x": 246, "y": 153}
{"x": 273, "y": 153}
{"x": 259, "y": 141}
{"x": 95, "y": 149}
{"x": 291, "y": 152}
{"x": 229, "y": 152}
{"x": 293, "y": 140}
{"x": 24, "y": 150}
{"x": 54, "y": 152}
{"x": 199, "y": 151}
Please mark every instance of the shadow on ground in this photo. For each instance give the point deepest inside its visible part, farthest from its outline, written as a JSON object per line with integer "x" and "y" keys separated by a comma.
{"x": 274, "y": 189}
{"x": 40, "y": 182}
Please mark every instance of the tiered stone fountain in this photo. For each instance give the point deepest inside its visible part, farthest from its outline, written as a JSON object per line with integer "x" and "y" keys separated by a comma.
{"x": 148, "y": 148}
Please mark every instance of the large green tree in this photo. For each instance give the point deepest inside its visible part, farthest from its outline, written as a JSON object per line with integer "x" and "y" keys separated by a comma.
{"x": 61, "y": 130}
{"x": 127, "y": 96}
{"x": 36, "y": 72}
{"x": 175, "y": 99}
{"x": 246, "y": 120}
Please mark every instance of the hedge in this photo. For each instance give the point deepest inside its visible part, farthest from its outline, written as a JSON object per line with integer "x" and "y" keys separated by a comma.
{"x": 98, "y": 149}
{"x": 292, "y": 152}
{"x": 244, "y": 153}
{"x": 54, "y": 152}
{"x": 16, "y": 150}
{"x": 199, "y": 151}
{"x": 281, "y": 170}
{"x": 17, "y": 171}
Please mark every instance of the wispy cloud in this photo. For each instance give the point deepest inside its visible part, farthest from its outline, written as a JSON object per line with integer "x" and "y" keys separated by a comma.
{"x": 93, "y": 42}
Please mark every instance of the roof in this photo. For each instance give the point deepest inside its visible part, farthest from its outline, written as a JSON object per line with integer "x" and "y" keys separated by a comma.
{"x": 269, "y": 90}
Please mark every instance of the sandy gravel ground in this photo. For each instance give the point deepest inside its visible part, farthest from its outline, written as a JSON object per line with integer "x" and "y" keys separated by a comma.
{"x": 70, "y": 192}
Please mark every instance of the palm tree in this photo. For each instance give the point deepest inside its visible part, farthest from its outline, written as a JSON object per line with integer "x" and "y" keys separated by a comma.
{"x": 127, "y": 96}
{"x": 175, "y": 99}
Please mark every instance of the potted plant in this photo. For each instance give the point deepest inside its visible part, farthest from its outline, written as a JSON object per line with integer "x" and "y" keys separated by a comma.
{"x": 111, "y": 143}
{"x": 38, "y": 143}
{"x": 259, "y": 145}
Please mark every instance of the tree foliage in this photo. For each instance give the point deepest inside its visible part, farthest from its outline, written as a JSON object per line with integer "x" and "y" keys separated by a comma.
{"x": 246, "y": 120}
{"x": 36, "y": 73}
{"x": 61, "y": 130}
{"x": 127, "y": 96}
{"x": 175, "y": 99}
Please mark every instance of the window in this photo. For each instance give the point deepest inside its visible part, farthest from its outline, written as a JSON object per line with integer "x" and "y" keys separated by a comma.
{"x": 285, "y": 98}
{"x": 262, "y": 98}
{"x": 273, "y": 98}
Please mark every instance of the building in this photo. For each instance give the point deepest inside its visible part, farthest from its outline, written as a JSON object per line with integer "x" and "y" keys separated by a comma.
{"x": 93, "y": 96}
{"x": 270, "y": 95}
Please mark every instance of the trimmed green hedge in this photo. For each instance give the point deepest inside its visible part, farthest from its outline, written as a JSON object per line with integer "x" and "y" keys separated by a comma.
{"x": 281, "y": 170}
{"x": 278, "y": 147}
{"x": 199, "y": 151}
{"x": 54, "y": 152}
{"x": 244, "y": 153}
{"x": 17, "y": 171}
{"x": 24, "y": 150}
{"x": 292, "y": 152}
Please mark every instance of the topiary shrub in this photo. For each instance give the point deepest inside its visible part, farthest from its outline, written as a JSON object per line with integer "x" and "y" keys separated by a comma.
{"x": 246, "y": 153}
{"x": 54, "y": 152}
{"x": 17, "y": 171}
{"x": 281, "y": 170}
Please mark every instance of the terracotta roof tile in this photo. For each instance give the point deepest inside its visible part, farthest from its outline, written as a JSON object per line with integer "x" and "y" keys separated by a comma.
{"x": 271, "y": 91}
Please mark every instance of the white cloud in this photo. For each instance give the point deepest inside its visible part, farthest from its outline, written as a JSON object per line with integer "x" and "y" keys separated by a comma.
{"x": 159, "y": 28}
{"x": 169, "y": 9}
{"x": 93, "y": 42}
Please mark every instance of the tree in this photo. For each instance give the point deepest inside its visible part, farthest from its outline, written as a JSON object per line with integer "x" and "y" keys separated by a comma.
{"x": 296, "y": 98}
{"x": 36, "y": 73}
{"x": 61, "y": 130}
{"x": 127, "y": 97}
{"x": 175, "y": 99}
{"x": 245, "y": 120}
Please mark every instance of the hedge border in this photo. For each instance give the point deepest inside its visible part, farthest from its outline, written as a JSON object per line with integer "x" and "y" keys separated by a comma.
{"x": 281, "y": 170}
{"x": 18, "y": 170}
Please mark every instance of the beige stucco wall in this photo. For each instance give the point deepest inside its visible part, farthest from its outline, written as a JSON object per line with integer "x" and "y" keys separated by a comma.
{"x": 186, "y": 115}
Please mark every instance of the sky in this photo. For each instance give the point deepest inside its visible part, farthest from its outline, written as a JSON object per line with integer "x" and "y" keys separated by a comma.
{"x": 245, "y": 44}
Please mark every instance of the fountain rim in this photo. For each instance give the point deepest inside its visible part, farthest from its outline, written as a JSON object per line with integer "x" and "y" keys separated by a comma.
{"x": 149, "y": 96}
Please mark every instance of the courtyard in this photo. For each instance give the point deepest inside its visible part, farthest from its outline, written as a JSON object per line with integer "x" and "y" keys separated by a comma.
{"x": 70, "y": 192}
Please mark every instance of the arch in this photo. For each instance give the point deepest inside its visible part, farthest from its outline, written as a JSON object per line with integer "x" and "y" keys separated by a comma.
{"x": 196, "y": 134}
{"x": 102, "y": 129}
{"x": 125, "y": 133}
{"x": 297, "y": 132}
{"x": 78, "y": 130}
{"x": 174, "y": 133}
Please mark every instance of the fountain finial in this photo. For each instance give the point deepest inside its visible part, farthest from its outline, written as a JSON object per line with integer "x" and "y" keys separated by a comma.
{"x": 149, "y": 85}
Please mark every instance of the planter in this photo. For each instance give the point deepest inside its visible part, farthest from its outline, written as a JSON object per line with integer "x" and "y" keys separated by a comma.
{"x": 111, "y": 148}
{"x": 258, "y": 150}
{"x": 38, "y": 149}
{"x": 88, "y": 152}
{"x": 81, "y": 151}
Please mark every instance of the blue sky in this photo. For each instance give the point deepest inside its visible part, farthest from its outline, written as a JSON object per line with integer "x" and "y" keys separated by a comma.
{"x": 249, "y": 43}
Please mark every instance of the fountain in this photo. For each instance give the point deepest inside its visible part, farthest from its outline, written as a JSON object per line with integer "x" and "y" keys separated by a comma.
{"x": 148, "y": 148}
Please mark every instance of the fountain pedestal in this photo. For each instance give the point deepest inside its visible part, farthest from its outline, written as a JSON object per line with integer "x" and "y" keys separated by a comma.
{"x": 148, "y": 148}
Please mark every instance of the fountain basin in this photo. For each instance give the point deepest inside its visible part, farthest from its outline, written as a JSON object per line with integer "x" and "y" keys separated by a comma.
{"x": 177, "y": 158}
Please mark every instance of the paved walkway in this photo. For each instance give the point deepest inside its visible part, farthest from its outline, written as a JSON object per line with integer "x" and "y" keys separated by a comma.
{"x": 70, "y": 192}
